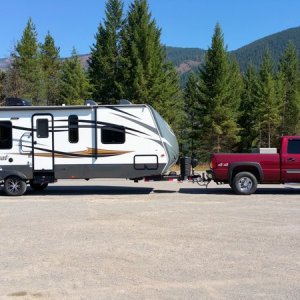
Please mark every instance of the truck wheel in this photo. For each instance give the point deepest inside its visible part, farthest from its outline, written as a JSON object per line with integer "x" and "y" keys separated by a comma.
{"x": 38, "y": 186}
{"x": 244, "y": 183}
{"x": 14, "y": 186}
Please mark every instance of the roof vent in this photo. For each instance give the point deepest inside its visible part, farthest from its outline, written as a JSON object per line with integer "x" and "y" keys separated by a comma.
{"x": 125, "y": 102}
{"x": 90, "y": 102}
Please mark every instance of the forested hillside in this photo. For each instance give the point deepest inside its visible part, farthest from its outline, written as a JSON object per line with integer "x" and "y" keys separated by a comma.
{"x": 276, "y": 43}
{"x": 189, "y": 59}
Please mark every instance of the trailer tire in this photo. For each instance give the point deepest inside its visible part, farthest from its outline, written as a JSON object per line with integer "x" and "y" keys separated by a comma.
{"x": 244, "y": 183}
{"x": 38, "y": 186}
{"x": 14, "y": 186}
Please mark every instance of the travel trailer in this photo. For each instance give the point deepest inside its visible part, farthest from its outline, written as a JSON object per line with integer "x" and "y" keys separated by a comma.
{"x": 40, "y": 144}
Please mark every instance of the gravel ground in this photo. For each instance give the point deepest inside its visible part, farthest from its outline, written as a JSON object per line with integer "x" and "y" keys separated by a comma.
{"x": 107, "y": 239}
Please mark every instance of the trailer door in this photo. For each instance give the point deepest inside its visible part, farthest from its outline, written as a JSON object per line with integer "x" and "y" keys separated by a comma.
{"x": 42, "y": 142}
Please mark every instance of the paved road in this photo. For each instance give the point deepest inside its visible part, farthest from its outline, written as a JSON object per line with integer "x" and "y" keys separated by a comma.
{"x": 107, "y": 239}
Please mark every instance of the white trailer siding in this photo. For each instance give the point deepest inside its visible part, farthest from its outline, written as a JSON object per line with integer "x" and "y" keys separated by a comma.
{"x": 86, "y": 142}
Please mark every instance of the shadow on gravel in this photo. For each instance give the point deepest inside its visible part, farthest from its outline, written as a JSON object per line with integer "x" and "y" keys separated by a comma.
{"x": 163, "y": 191}
{"x": 91, "y": 190}
{"x": 228, "y": 191}
{"x": 204, "y": 191}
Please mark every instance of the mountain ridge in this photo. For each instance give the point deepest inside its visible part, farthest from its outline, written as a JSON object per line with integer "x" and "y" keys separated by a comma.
{"x": 186, "y": 60}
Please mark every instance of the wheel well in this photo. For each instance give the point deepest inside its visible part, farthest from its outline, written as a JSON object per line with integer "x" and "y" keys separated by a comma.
{"x": 251, "y": 169}
{"x": 17, "y": 174}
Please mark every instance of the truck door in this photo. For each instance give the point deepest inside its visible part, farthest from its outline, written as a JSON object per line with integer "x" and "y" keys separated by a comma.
{"x": 291, "y": 161}
{"x": 42, "y": 142}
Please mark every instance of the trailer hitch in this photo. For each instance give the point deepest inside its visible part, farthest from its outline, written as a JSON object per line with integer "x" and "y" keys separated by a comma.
{"x": 203, "y": 179}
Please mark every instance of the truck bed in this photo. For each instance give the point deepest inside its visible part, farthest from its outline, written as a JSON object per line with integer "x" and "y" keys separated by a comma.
{"x": 222, "y": 163}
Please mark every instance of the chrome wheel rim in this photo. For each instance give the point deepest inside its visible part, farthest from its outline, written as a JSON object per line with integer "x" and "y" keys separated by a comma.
{"x": 13, "y": 186}
{"x": 245, "y": 184}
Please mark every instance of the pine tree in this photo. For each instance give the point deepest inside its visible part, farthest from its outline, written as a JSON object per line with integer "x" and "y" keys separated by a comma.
{"x": 289, "y": 80}
{"x": 146, "y": 77}
{"x": 2, "y": 85}
{"x": 51, "y": 68}
{"x": 248, "y": 108}
{"x": 27, "y": 62}
{"x": 268, "y": 119}
{"x": 104, "y": 60}
{"x": 14, "y": 84}
{"x": 219, "y": 97}
{"x": 191, "y": 107}
{"x": 74, "y": 84}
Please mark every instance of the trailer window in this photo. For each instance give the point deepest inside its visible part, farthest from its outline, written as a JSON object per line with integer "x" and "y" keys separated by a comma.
{"x": 73, "y": 129}
{"x": 294, "y": 147}
{"x": 113, "y": 135}
{"x": 42, "y": 130}
{"x": 5, "y": 135}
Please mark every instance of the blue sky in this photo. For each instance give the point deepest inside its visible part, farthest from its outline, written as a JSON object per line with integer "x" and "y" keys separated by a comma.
{"x": 184, "y": 23}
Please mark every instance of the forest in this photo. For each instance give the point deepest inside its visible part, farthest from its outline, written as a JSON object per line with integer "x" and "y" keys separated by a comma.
{"x": 221, "y": 109}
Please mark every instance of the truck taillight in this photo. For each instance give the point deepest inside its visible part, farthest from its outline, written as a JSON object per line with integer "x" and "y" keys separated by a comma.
{"x": 213, "y": 163}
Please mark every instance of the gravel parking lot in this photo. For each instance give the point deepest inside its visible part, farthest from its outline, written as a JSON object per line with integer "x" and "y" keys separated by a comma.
{"x": 106, "y": 239}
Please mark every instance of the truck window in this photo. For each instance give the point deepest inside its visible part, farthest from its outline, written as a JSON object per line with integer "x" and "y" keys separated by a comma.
{"x": 73, "y": 129}
{"x": 294, "y": 147}
{"x": 113, "y": 135}
{"x": 5, "y": 135}
{"x": 42, "y": 130}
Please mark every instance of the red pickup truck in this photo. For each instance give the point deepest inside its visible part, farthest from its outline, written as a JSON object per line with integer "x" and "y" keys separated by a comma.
{"x": 244, "y": 171}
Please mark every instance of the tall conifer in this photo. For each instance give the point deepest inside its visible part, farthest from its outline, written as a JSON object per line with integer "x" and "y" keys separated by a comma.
{"x": 268, "y": 107}
{"x": 248, "y": 109}
{"x": 2, "y": 85}
{"x": 13, "y": 82}
{"x": 51, "y": 68}
{"x": 146, "y": 77}
{"x": 27, "y": 61}
{"x": 219, "y": 98}
{"x": 104, "y": 61}
{"x": 192, "y": 129}
{"x": 289, "y": 77}
{"x": 74, "y": 84}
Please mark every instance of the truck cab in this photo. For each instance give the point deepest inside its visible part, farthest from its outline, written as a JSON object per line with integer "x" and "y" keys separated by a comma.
{"x": 290, "y": 159}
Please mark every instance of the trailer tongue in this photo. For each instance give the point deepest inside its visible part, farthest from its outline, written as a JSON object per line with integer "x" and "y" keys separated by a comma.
{"x": 187, "y": 173}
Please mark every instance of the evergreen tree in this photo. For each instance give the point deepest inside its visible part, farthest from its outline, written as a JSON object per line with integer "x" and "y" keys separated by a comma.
{"x": 169, "y": 101}
{"x": 146, "y": 77}
{"x": 192, "y": 109}
{"x": 104, "y": 60}
{"x": 74, "y": 84}
{"x": 268, "y": 107}
{"x": 2, "y": 84}
{"x": 248, "y": 108}
{"x": 27, "y": 62}
{"x": 14, "y": 85}
{"x": 288, "y": 78}
{"x": 219, "y": 97}
{"x": 51, "y": 67}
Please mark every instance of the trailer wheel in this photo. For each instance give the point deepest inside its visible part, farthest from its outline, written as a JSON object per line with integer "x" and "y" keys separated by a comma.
{"x": 244, "y": 183}
{"x": 38, "y": 186}
{"x": 14, "y": 186}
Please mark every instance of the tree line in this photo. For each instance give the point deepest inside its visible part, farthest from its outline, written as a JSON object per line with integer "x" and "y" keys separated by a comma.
{"x": 220, "y": 109}
{"x": 37, "y": 73}
{"x": 234, "y": 111}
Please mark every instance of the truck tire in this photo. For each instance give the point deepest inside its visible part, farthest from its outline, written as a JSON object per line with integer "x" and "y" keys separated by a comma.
{"x": 244, "y": 183}
{"x": 38, "y": 186}
{"x": 14, "y": 186}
